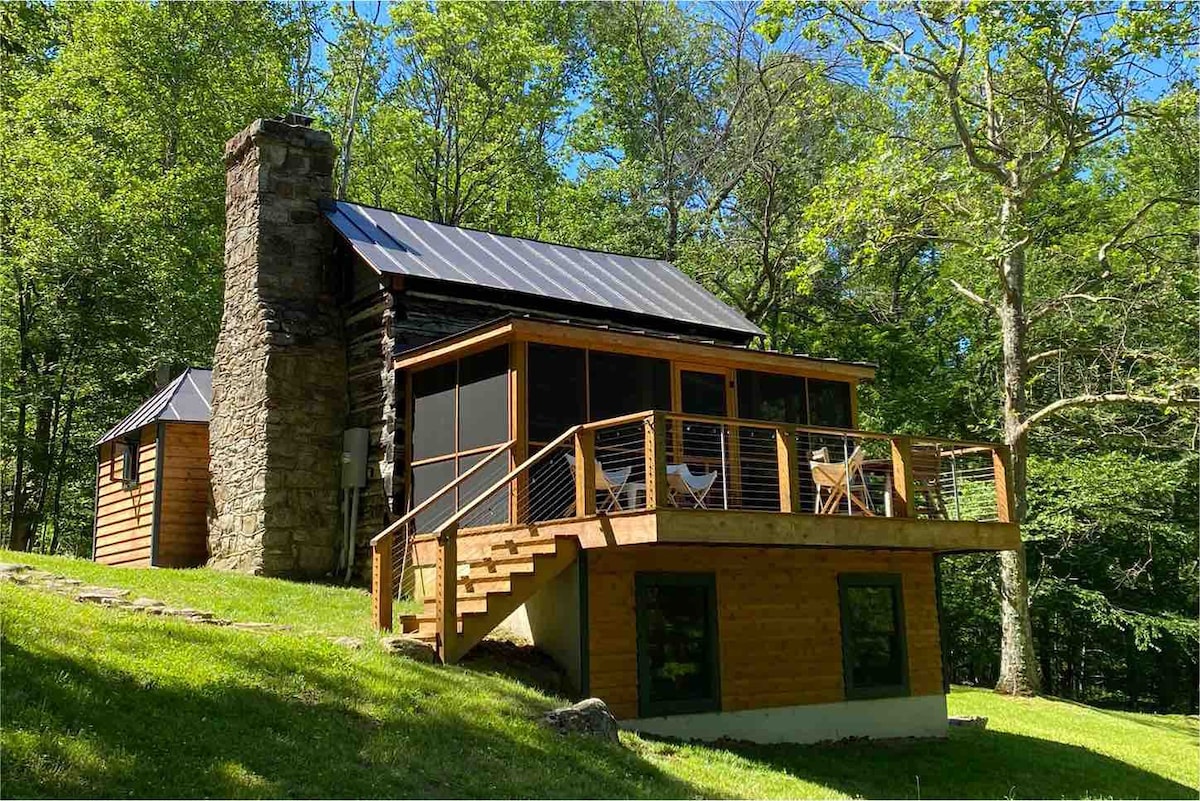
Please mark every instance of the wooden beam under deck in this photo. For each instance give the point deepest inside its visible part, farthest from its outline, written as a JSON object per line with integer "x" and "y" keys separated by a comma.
{"x": 703, "y": 527}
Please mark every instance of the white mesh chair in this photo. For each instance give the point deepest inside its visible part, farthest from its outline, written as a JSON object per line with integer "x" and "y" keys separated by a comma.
{"x": 609, "y": 482}
{"x": 683, "y": 483}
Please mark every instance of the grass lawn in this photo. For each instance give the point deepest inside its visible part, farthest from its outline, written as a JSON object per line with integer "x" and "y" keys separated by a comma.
{"x": 99, "y": 702}
{"x": 308, "y": 607}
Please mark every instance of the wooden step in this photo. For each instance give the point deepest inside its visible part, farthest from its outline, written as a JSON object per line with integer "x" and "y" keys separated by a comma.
{"x": 499, "y": 582}
{"x": 532, "y": 545}
{"x": 502, "y": 565}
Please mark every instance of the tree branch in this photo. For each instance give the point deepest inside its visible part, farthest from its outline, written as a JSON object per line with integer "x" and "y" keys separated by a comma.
{"x": 1102, "y": 400}
{"x": 974, "y": 298}
{"x": 1102, "y": 254}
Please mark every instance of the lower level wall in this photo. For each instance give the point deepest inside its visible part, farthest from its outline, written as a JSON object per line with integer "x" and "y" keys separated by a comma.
{"x": 551, "y": 621}
{"x": 882, "y": 718}
{"x": 778, "y": 620}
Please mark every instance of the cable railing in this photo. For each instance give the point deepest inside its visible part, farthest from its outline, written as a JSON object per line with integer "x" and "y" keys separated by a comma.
{"x": 664, "y": 460}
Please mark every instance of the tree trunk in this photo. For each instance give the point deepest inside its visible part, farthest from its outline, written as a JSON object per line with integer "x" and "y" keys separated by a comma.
{"x": 1018, "y": 663}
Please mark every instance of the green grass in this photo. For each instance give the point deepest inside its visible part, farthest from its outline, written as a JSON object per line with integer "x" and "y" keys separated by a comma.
{"x": 307, "y": 607}
{"x": 99, "y": 702}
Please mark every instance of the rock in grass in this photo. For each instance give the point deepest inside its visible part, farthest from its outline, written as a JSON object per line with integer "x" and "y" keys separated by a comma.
{"x": 590, "y": 717}
{"x": 353, "y": 643}
{"x": 409, "y": 647}
{"x": 969, "y": 721}
{"x": 9, "y": 568}
{"x": 100, "y": 595}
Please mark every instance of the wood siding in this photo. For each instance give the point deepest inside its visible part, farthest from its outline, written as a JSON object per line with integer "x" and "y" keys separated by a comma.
{"x": 125, "y": 515}
{"x": 778, "y": 620}
{"x": 183, "y": 512}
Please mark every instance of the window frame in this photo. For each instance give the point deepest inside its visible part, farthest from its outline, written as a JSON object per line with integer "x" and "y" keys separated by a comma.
{"x": 894, "y": 582}
{"x": 131, "y": 457}
{"x": 648, "y": 707}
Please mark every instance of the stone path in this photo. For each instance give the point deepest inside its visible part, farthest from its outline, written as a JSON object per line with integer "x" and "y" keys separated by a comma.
{"x": 29, "y": 576}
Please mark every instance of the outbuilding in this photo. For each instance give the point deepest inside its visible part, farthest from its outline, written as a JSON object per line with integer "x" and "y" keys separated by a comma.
{"x": 152, "y": 485}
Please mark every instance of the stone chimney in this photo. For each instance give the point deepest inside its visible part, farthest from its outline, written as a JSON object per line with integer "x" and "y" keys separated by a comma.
{"x": 279, "y": 374}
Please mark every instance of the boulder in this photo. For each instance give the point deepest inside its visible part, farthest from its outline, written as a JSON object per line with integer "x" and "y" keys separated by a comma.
{"x": 409, "y": 647}
{"x": 590, "y": 717}
{"x": 969, "y": 721}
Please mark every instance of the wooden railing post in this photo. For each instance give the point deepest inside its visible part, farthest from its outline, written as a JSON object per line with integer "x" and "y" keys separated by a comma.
{"x": 789, "y": 470}
{"x": 585, "y": 473}
{"x": 1005, "y": 502}
{"x": 656, "y": 460}
{"x": 381, "y": 584}
{"x": 447, "y": 593}
{"x": 903, "y": 502}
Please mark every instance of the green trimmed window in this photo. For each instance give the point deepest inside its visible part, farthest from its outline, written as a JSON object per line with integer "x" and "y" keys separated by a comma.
{"x": 874, "y": 651}
{"x": 677, "y": 645}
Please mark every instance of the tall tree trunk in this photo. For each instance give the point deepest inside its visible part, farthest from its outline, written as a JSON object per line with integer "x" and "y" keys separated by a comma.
{"x": 1018, "y": 663}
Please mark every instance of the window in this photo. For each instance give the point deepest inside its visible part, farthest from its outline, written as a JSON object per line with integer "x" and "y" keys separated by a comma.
{"x": 875, "y": 661}
{"x": 129, "y": 460}
{"x": 677, "y": 646}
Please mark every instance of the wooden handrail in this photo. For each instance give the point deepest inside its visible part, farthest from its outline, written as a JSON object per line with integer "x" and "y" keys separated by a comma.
{"x": 425, "y": 504}
{"x": 499, "y": 485}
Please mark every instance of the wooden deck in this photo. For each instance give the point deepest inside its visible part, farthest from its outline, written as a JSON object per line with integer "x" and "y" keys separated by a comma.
{"x": 623, "y": 487}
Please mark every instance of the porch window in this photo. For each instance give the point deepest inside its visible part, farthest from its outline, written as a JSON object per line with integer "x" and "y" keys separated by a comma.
{"x": 776, "y": 398}
{"x": 677, "y": 645}
{"x": 129, "y": 460}
{"x": 460, "y": 413}
{"x": 620, "y": 384}
{"x": 875, "y": 660}
{"x": 829, "y": 403}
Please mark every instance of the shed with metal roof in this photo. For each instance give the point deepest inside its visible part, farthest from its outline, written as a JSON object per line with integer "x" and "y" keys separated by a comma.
{"x": 152, "y": 482}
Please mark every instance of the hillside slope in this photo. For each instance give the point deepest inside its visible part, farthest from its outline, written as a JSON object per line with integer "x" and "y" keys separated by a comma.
{"x": 101, "y": 702}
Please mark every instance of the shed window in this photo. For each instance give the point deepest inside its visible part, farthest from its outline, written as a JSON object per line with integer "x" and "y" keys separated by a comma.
{"x": 129, "y": 460}
{"x": 677, "y": 646}
{"x": 874, "y": 655}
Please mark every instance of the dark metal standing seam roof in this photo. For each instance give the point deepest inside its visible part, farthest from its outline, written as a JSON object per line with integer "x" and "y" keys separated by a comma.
{"x": 187, "y": 399}
{"x": 402, "y": 245}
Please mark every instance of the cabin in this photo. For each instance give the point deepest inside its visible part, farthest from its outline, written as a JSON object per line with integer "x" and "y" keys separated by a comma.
{"x": 586, "y": 449}
{"x": 152, "y": 480}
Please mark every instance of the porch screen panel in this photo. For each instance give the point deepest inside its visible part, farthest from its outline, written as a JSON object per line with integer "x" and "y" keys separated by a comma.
{"x": 620, "y": 384}
{"x": 557, "y": 390}
{"x": 829, "y": 403}
{"x": 767, "y": 396}
{"x": 483, "y": 399}
{"x": 433, "y": 411}
{"x": 427, "y": 479}
{"x": 494, "y": 510}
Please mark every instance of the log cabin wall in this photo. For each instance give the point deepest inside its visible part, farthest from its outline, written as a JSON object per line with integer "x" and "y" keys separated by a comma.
{"x": 182, "y": 535}
{"x": 778, "y": 620}
{"x": 125, "y": 512}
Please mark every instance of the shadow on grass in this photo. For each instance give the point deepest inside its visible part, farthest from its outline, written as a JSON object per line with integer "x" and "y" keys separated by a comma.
{"x": 77, "y": 728}
{"x": 969, "y": 764}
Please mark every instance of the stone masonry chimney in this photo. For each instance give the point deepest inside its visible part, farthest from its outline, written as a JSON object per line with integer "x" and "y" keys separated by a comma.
{"x": 279, "y": 374}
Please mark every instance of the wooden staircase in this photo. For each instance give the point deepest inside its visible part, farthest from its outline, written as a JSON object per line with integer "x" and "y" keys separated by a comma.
{"x": 492, "y": 587}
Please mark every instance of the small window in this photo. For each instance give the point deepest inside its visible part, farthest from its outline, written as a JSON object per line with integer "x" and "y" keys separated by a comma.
{"x": 677, "y": 646}
{"x": 873, "y": 642}
{"x": 129, "y": 460}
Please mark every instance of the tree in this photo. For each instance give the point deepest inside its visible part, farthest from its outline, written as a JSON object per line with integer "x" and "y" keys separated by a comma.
{"x": 1019, "y": 95}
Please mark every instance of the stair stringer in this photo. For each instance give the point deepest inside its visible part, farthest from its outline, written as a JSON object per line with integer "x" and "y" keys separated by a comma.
{"x": 477, "y": 625}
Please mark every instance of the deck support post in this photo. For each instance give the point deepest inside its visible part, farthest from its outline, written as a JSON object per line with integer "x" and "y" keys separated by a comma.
{"x": 381, "y": 584}
{"x": 656, "y": 460}
{"x": 789, "y": 470}
{"x": 903, "y": 501}
{"x": 585, "y": 472}
{"x": 1005, "y": 503}
{"x": 447, "y": 594}
{"x": 518, "y": 498}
